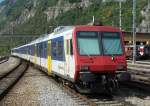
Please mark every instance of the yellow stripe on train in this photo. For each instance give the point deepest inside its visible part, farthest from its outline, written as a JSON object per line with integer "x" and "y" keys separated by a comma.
{"x": 35, "y": 58}
{"x": 49, "y": 62}
{"x": 49, "y": 59}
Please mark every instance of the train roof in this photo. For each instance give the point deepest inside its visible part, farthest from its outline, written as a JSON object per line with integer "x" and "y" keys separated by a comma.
{"x": 64, "y": 29}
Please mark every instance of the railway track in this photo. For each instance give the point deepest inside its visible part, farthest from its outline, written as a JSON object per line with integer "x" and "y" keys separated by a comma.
{"x": 3, "y": 59}
{"x": 146, "y": 62}
{"x": 118, "y": 99}
{"x": 37, "y": 89}
{"x": 141, "y": 85}
{"x": 95, "y": 99}
{"x": 8, "y": 80}
{"x": 140, "y": 78}
{"x": 31, "y": 88}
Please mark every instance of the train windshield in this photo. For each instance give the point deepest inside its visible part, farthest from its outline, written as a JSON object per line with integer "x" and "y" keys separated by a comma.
{"x": 111, "y": 43}
{"x": 88, "y": 43}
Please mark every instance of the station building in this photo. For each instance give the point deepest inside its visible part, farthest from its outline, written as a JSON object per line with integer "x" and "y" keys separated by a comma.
{"x": 140, "y": 38}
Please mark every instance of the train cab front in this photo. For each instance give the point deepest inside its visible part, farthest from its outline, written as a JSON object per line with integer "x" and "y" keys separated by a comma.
{"x": 99, "y": 58}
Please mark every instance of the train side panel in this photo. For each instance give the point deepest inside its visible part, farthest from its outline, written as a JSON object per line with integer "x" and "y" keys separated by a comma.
{"x": 69, "y": 56}
{"x": 62, "y": 60}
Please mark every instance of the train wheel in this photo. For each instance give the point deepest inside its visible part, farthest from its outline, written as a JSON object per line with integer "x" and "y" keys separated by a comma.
{"x": 82, "y": 87}
{"x": 111, "y": 86}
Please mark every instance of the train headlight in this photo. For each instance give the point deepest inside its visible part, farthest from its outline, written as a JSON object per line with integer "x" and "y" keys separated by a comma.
{"x": 84, "y": 68}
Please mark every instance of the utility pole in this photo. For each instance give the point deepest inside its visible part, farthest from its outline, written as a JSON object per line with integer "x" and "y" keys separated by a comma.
{"x": 148, "y": 16}
{"x": 12, "y": 28}
{"x": 120, "y": 14}
{"x": 148, "y": 4}
{"x": 93, "y": 19}
{"x": 134, "y": 30}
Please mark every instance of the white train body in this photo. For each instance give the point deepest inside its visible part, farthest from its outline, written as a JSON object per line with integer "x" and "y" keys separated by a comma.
{"x": 62, "y": 66}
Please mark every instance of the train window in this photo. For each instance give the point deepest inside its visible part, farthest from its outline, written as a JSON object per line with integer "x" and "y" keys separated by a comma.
{"x": 111, "y": 43}
{"x": 88, "y": 43}
{"x": 54, "y": 49}
{"x": 39, "y": 50}
{"x": 32, "y": 50}
{"x": 69, "y": 47}
{"x": 44, "y": 50}
{"x": 35, "y": 50}
{"x": 59, "y": 48}
{"x": 49, "y": 48}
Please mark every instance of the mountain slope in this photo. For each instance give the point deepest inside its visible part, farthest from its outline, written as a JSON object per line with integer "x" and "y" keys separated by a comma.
{"x": 40, "y": 16}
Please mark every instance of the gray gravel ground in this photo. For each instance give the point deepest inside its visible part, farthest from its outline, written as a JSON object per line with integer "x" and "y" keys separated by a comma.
{"x": 7, "y": 66}
{"x": 134, "y": 96}
{"x": 36, "y": 89}
{"x": 139, "y": 101}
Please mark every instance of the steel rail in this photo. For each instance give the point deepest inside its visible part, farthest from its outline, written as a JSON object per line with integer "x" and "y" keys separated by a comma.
{"x": 82, "y": 98}
{"x": 10, "y": 79}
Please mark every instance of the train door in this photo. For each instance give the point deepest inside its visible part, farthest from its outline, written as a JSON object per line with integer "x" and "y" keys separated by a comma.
{"x": 39, "y": 53}
{"x": 44, "y": 54}
{"x": 35, "y": 54}
{"x": 49, "y": 59}
{"x": 40, "y": 50}
{"x": 69, "y": 59}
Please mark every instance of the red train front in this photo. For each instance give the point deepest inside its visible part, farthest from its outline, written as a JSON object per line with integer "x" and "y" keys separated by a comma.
{"x": 99, "y": 58}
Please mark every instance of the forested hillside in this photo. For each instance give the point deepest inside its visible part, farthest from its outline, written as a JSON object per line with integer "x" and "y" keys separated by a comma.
{"x": 41, "y": 16}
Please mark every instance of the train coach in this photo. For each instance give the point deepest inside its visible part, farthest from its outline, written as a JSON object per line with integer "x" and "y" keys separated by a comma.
{"x": 90, "y": 57}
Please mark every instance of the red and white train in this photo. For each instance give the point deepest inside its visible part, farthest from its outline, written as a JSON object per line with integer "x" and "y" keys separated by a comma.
{"x": 90, "y": 57}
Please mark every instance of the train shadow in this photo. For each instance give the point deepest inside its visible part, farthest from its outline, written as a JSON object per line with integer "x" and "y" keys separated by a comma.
{"x": 100, "y": 96}
{"x": 123, "y": 93}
